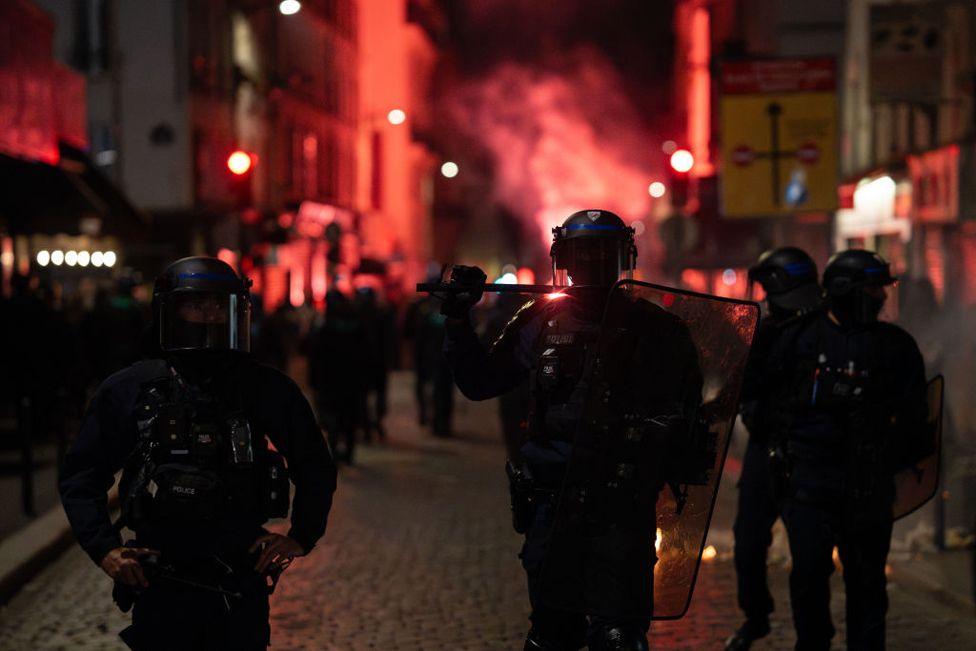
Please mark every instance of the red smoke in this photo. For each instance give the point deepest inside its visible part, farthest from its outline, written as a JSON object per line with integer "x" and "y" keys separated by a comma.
{"x": 563, "y": 138}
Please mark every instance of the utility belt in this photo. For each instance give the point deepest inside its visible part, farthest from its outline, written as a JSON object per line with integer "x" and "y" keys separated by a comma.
{"x": 224, "y": 577}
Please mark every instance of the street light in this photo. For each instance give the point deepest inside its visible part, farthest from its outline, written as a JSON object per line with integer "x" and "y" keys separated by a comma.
{"x": 450, "y": 169}
{"x": 83, "y": 258}
{"x": 289, "y": 7}
{"x": 682, "y": 161}
{"x": 239, "y": 162}
{"x": 43, "y": 258}
{"x": 108, "y": 258}
{"x": 71, "y": 258}
{"x": 97, "y": 259}
{"x": 57, "y": 257}
{"x": 396, "y": 116}
{"x": 657, "y": 189}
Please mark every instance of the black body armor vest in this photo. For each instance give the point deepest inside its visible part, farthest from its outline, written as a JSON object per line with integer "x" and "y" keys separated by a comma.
{"x": 198, "y": 463}
{"x": 564, "y": 350}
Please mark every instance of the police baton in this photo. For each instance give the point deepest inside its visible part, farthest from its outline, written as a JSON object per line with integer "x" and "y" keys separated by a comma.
{"x": 496, "y": 288}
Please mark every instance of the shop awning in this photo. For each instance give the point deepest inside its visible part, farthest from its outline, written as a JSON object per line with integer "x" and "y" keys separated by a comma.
{"x": 72, "y": 197}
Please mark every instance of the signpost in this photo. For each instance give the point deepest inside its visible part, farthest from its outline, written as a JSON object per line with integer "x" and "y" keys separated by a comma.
{"x": 779, "y": 137}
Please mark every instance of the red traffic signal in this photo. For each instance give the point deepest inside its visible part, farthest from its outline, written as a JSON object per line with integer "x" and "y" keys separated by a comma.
{"x": 240, "y": 162}
{"x": 682, "y": 161}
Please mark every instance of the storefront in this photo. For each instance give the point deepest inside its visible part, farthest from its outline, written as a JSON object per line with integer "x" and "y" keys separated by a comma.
{"x": 920, "y": 217}
{"x": 318, "y": 248}
{"x": 65, "y": 222}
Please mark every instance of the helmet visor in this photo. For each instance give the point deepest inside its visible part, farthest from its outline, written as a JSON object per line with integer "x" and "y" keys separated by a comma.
{"x": 592, "y": 261}
{"x": 197, "y": 320}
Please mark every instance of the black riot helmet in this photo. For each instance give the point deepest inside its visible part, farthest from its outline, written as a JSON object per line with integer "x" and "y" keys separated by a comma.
{"x": 854, "y": 281}
{"x": 789, "y": 277}
{"x": 592, "y": 248}
{"x": 201, "y": 304}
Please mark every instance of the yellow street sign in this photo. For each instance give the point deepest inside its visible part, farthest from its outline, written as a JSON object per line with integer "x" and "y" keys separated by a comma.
{"x": 779, "y": 137}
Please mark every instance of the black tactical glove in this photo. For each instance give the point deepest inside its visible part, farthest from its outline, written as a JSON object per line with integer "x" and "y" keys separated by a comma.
{"x": 456, "y": 305}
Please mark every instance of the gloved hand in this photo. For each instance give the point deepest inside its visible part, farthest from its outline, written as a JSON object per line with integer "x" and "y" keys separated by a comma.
{"x": 457, "y": 304}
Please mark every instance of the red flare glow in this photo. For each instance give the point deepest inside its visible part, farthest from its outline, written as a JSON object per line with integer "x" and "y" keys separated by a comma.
{"x": 562, "y": 140}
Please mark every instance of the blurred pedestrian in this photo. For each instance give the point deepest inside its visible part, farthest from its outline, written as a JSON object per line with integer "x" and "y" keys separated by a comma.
{"x": 278, "y": 337}
{"x": 433, "y": 382}
{"x": 379, "y": 323}
{"x": 113, "y": 331}
{"x": 339, "y": 359}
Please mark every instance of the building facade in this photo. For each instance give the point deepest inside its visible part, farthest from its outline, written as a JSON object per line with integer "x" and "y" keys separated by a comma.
{"x": 59, "y": 216}
{"x": 176, "y": 87}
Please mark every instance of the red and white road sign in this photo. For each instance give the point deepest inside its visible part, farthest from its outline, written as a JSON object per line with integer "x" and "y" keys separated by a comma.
{"x": 808, "y": 153}
{"x": 743, "y": 155}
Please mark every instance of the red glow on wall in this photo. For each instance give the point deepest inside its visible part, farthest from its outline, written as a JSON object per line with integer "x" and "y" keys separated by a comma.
{"x": 695, "y": 279}
{"x": 320, "y": 283}
{"x": 700, "y": 91}
{"x": 935, "y": 262}
{"x": 967, "y": 259}
{"x": 228, "y": 256}
{"x": 525, "y": 276}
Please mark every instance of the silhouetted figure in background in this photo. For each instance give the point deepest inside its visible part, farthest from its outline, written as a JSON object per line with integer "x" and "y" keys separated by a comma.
{"x": 28, "y": 363}
{"x": 277, "y": 338}
{"x": 337, "y": 371}
{"x": 113, "y": 331}
{"x": 433, "y": 385}
{"x": 379, "y": 322}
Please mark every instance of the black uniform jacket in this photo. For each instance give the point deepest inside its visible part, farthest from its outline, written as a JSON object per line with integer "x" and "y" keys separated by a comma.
{"x": 273, "y": 404}
{"x": 855, "y": 403}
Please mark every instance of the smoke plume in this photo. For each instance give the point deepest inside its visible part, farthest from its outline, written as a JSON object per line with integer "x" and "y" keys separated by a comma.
{"x": 563, "y": 137}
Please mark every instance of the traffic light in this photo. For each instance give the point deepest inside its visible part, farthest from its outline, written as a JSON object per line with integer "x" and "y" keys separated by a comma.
{"x": 240, "y": 165}
{"x": 680, "y": 165}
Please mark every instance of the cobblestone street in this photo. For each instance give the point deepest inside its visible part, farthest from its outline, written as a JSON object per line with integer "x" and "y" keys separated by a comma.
{"x": 420, "y": 555}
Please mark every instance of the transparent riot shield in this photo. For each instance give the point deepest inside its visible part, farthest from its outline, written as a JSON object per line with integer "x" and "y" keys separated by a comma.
{"x": 631, "y": 518}
{"x": 916, "y": 485}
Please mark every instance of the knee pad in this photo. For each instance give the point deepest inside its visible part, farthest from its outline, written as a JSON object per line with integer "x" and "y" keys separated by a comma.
{"x": 619, "y": 638}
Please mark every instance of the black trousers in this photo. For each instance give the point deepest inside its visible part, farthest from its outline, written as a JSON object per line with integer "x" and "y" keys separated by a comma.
{"x": 170, "y": 617}
{"x": 863, "y": 548}
{"x": 564, "y": 629}
{"x": 757, "y": 512}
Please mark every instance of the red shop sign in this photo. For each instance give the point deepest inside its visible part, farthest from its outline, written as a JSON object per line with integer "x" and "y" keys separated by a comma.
{"x": 935, "y": 184}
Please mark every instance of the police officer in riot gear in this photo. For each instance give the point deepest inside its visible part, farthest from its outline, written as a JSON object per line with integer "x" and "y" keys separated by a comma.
{"x": 789, "y": 279}
{"x": 551, "y": 342}
{"x": 190, "y": 429}
{"x": 852, "y": 398}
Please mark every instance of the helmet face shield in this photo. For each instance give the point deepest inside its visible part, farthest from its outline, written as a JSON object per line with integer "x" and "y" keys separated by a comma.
{"x": 600, "y": 261}
{"x": 202, "y": 320}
